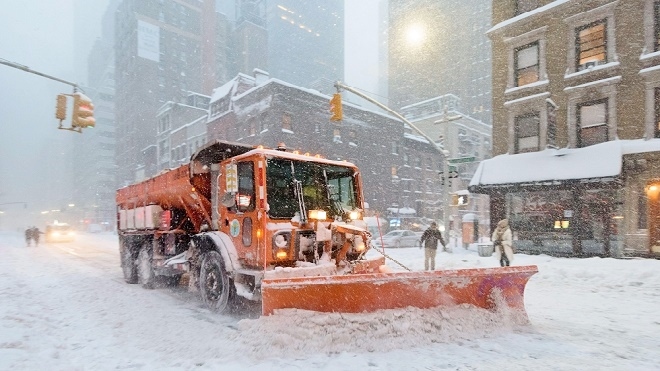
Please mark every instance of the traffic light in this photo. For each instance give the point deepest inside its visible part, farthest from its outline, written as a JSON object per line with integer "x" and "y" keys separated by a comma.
{"x": 83, "y": 111}
{"x": 335, "y": 108}
{"x": 459, "y": 200}
{"x": 60, "y": 109}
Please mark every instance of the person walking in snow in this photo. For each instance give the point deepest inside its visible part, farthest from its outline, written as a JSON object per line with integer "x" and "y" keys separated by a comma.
{"x": 430, "y": 239}
{"x": 503, "y": 242}
{"x": 35, "y": 235}
{"x": 28, "y": 236}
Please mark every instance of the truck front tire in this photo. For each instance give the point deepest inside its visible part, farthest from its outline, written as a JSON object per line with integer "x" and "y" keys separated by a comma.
{"x": 215, "y": 285}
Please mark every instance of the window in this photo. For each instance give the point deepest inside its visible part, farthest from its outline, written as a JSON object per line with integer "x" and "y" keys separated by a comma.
{"x": 286, "y": 121}
{"x": 527, "y": 64}
{"x": 526, "y": 60}
{"x": 336, "y": 135}
{"x": 642, "y": 210}
{"x": 253, "y": 127}
{"x": 656, "y": 126}
{"x": 592, "y": 123}
{"x": 527, "y": 132}
{"x": 591, "y": 45}
{"x": 395, "y": 148}
{"x": 523, "y": 6}
{"x": 245, "y": 196}
{"x": 593, "y": 40}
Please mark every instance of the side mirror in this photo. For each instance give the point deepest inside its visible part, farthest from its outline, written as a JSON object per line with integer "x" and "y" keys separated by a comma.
{"x": 228, "y": 200}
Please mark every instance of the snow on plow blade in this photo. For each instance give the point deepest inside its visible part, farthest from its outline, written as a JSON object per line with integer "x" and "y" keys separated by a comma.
{"x": 487, "y": 288}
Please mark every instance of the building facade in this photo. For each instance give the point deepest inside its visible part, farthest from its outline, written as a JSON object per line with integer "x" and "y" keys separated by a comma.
{"x": 181, "y": 130}
{"x": 575, "y": 123}
{"x": 296, "y": 41}
{"x": 163, "y": 50}
{"x": 440, "y": 47}
{"x": 400, "y": 170}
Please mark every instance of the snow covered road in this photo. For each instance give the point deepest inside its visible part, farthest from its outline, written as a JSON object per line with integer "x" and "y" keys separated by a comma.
{"x": 66, "y": 307}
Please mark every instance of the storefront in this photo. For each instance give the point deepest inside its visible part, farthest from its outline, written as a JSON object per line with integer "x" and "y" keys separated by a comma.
{"x": 577, "y": 202}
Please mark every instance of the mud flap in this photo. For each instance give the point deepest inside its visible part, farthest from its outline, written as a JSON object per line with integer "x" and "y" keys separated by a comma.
{"x": 488, "y": 288}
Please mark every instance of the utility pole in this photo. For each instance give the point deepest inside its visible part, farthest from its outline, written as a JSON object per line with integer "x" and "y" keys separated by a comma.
{"x": 443, "y": 152}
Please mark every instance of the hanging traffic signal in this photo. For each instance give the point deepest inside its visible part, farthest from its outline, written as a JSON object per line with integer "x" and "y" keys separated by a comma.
{"x": 60, "y": 108}
{"x": 83, "y": 111}
{"x": 335, "y": 108}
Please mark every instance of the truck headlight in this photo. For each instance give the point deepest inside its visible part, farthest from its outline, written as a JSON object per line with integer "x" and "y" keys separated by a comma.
{"x": 317, "y": 214}
{"x": 354, "y": 215}
{"x": 281, "y": 242}
{"x": 358, "y": 244}
{"x": 281, "y": 254}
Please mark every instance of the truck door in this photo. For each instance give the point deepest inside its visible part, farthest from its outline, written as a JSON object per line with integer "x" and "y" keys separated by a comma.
{"x": 240, "y": 221}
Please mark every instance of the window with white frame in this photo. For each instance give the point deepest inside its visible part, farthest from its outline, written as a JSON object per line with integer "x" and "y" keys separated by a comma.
{"x": 527, "y": 61}
{"x": 527, "y": 130}
{"x": 527, "y": 64}
{"x": 591, "y": 45}
{"x": 592, "y": 123}
{"x": 591, "y": 38}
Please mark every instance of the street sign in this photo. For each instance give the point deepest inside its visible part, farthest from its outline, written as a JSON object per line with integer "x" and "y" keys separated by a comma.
{"x": 461, "y": 160}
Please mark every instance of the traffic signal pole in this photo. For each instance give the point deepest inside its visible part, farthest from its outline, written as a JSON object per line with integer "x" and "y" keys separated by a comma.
{"x": 27, "y": 69}
{"x": 443, "y": 152}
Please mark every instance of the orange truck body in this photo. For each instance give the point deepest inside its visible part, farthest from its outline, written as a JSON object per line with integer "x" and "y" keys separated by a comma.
{"x": 281, "y": 228}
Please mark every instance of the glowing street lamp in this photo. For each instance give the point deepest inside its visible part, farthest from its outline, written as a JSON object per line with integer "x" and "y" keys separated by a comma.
{"x": 416, "y": 34}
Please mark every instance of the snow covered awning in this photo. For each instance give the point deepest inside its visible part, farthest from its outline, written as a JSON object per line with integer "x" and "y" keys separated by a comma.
{"x": 558, "y": 167}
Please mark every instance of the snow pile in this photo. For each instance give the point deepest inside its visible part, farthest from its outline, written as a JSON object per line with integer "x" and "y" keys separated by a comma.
{"x": 300, "y": 332}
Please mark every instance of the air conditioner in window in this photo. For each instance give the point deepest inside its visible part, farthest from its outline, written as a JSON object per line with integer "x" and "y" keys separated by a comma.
{"x": 591, "y": 64}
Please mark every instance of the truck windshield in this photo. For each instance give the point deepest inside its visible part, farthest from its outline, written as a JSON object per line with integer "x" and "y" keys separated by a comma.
{"x": 320, "y": 186}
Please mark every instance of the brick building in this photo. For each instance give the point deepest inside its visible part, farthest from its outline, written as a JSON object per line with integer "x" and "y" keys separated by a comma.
{"x": 400, "y": 170}
{"x": 575, "y": 125}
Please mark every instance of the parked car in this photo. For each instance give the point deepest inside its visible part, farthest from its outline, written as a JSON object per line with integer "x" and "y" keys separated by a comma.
{"x": 399, "y": 238}
{"x": 60, "y": 232}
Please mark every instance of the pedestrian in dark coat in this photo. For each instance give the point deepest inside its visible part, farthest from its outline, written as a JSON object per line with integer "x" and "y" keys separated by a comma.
{"x": 28, "y": 236}
{"x": 430, "y": 239}
{"x": 35, "y": 235}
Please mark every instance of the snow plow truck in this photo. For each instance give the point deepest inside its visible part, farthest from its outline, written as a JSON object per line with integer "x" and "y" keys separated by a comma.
{"x": 282, "y": 228}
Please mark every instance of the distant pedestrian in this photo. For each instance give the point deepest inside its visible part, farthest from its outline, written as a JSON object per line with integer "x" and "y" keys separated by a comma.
{"x": 28, "y": 236}
{"x": 35, "y": 235}
{"x": 503, "y": 242}
{"x": 430, "y": 239}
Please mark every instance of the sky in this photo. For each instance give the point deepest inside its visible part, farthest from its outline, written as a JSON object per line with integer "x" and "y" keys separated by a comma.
{"x": 66, "y": 307}
{"x": 35, "y": 157}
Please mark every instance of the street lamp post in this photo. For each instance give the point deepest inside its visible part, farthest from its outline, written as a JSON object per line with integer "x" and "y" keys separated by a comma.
{"x": 446, "y": 188}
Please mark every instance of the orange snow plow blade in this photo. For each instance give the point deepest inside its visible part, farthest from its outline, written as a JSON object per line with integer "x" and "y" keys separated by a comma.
{"x": 356, "y": 293}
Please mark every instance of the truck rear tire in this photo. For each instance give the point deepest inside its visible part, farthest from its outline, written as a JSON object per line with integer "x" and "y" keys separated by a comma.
{"x": 128, "y": 264}
{"x": 145, "y": 272}
{"x": 215, "y": 285}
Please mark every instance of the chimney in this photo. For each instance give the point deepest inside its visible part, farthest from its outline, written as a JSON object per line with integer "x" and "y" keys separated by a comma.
{"x": 260, "y": 76}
